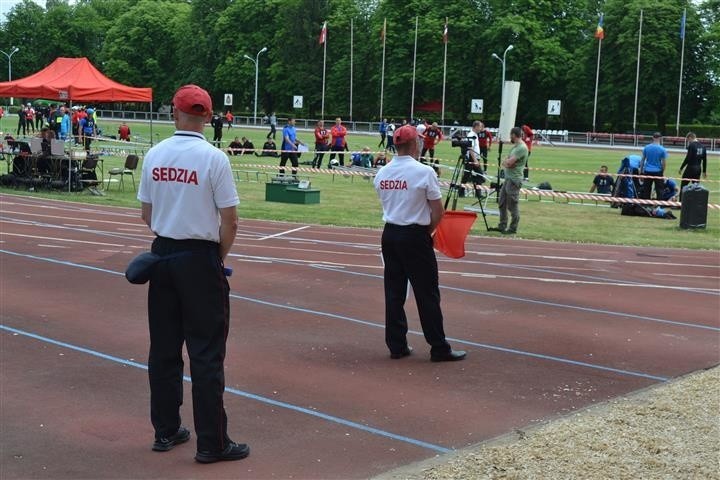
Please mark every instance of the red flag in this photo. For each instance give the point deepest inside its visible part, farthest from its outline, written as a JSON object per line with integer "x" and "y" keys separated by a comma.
{"x": 445, "y": 33}
{"x": 323, "y": 34}
{"x": 452, "y": 231}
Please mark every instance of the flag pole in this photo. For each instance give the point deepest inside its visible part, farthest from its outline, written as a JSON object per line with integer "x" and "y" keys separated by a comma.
{"x": 445, "y": 41}
{"x": 322, "y": 103}
{"x": 382, "y": 72}
{"x": 412, "y": 96}
{"x": 597, "y": 78}
{"x": 351, "y": 67}
{"x": 682, "y": 59}
{"x": 637, "y": 79}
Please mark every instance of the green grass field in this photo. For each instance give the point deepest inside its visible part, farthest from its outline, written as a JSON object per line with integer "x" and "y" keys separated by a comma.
{"x": 352, "y": 201}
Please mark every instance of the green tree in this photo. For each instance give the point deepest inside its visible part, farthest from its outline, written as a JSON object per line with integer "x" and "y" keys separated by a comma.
{"x": 141, "y": 48}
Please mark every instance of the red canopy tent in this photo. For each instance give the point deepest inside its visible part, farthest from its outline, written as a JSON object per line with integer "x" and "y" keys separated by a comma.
{"x": 73, "y": 79}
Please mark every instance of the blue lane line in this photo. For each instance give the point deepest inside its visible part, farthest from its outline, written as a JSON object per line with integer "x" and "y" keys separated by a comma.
{"x": 458, "y": 340}
{"x": 241, "y": 393}
{"x": 377, "y": 325}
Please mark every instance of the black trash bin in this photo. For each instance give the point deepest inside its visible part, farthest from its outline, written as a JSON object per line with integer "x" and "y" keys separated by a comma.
{"x": 693, "y": 213}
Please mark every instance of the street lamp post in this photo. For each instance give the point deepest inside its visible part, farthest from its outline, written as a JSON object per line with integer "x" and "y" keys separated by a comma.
{"x": 502, "y": 60}
{"x": 13, "y": 51}
{"x": 255, "y": 61}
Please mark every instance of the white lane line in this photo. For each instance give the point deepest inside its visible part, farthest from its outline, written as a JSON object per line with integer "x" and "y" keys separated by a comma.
{"x": 61, "y": 239}
{"x": 583, "y": 282}
{"x": 74, "y": 225}
{"x": 55, "y": 217}
{"x": 137, "y": 230}
{"x": 686, "y": 276}
{"x": 51, "y": 246}
{"x": 673, "y": 264}
{"x": 285, "y": 232}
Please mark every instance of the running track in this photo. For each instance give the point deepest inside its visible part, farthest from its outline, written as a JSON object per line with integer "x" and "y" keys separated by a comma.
{"x": 549, "y": 328}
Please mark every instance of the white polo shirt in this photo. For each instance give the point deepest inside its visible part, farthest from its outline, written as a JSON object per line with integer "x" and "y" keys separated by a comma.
{"x": 187, "y": 180}
{"x": 404, "y": 186}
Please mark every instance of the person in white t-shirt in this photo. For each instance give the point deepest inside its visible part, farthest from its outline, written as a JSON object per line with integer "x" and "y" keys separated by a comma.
{"x": 189, "y": 201}
{"x": 412, "y": 207}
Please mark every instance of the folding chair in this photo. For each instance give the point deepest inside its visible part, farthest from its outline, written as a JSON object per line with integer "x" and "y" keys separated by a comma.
{"x": 131, "y": 164}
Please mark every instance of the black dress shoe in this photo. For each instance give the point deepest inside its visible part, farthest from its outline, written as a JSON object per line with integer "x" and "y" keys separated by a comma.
{"x": 401, "y": 354}
{"x": 509, "y": 232}
{"x": 234, "y": 451}
{"x": 163, "y": 444}
{"x": 451, "y": 356}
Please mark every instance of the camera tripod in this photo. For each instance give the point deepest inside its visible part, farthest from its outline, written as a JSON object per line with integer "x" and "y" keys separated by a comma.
{"x": 456, "y": 184}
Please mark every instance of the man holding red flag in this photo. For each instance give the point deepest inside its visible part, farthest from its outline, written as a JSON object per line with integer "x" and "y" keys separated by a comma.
{"x": 412, "y": 208}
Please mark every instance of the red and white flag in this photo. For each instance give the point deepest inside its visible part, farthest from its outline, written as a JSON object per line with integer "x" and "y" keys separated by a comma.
{"x": 323, "y": 34}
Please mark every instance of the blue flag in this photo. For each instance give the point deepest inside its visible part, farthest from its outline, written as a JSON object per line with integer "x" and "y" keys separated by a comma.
{"x": 682, "y": 25}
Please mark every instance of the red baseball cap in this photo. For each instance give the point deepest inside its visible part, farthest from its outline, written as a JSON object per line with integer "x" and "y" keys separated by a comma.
{"x": 193, "y": 100}
{"x": 405, "y": 134}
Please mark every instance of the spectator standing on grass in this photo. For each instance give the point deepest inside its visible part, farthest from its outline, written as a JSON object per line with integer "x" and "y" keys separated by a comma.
{"x": 322, "y": 143}
{"x": 22, "y": 122}
{"x": 527, "y": 137}
{"x": 509, "y": 198}
{"x": 338, "y": 142}
{"x": 695, "y": 162}
{"x": 273, "y": 125}
{"x": 652, "y": 165}
{"x": 603, "y": 182}
{"x": 383, "y": 132}
{"x": 87, "y": 129}
{"x": 194, "y": 218}
{"x": 30, "y": 117}
{"x": 412, "y": 208}
{"x": 217, "y": 123}
{"x": 289, "y": 147}
{"x": 229, "y": 117}
{"x": 432, "y": 136}
{"x": 485, "y": 138}
{"x": 390, "y": 134}
{"x": 65, "y": 124}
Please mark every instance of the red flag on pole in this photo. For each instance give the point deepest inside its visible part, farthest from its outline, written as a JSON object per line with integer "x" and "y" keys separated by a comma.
{"x": 445, "y": 33}
{"x": 323, "y": 34}
{"x": 452, "y": 231}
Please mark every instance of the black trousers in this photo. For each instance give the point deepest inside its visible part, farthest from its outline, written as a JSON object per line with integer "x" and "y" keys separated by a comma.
{"x": 691, "y": 171}
{"x": 659, "y": 183}
{"x": 188, "y": 302}
{"x": 320, "y": 149}
{"x": 484, "y": 156}
{"x": 408, "y": 255}
{"x": 341, "y": 156}
{"x": 284, "y": 157}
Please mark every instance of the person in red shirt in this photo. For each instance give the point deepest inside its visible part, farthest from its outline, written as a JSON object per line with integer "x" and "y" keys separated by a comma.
{"x": 485, "y": 142}
{"x": 322, "y": 145}
{"x": 124, "y": 132}
{"x": 528, "y": 139}
{"x": 338, "y": 142}
{"x": 431, "y": 137}
{"x": 229, "y": 117}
